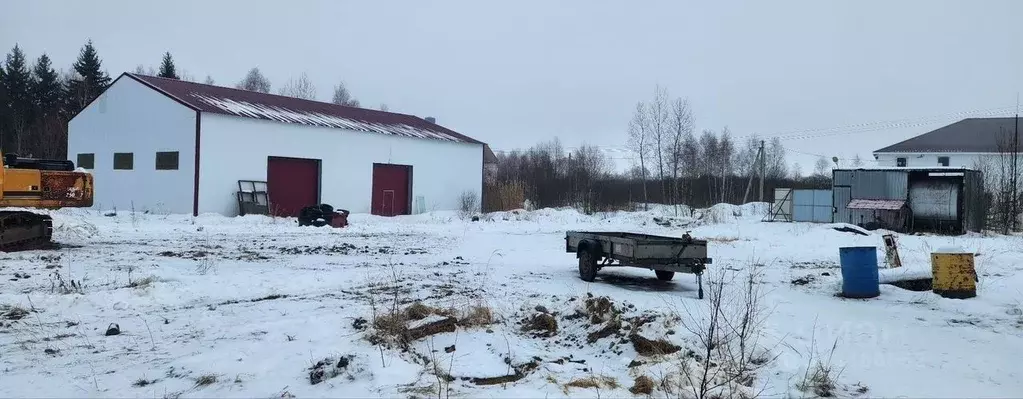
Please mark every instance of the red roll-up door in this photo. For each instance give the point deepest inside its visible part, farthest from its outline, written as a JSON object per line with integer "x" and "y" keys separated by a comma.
{"x": 292, "y": 184}
{"x": 392, "y": 190}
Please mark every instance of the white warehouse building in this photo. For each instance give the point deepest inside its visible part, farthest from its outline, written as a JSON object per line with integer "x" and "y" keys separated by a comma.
{"x": 165, "y": 145}
{"x": 975, "y": 143}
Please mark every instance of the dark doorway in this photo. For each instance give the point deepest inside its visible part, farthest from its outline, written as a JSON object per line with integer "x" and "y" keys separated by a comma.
{"x": 292, "y": 184}
{"x": 392, "y": 190}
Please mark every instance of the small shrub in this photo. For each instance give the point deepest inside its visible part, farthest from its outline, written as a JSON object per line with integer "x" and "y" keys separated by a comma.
{"x": 468, "y": 204}
{"x": 204, "y": 265}
{"x": 141, "y": 382}
{"x": 59, "y": 285}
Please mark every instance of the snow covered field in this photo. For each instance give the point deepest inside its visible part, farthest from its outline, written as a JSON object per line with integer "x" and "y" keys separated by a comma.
{"x": 259, "y": 307}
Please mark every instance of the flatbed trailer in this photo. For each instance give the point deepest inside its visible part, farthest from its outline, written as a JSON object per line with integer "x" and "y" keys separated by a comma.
{"x": 664, "y": 255}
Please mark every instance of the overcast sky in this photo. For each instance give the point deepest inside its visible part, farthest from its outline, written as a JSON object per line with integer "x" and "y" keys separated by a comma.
{"x": 515, "y": 73}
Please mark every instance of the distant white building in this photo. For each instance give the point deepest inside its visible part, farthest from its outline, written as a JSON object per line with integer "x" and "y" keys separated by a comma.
{"x": 168, "y": 145}
{"x": 976, "y": 143}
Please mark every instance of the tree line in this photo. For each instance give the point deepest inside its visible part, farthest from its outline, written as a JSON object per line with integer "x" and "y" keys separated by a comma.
{"x": 672, "y": 165}
{"x": 37, "y": 100}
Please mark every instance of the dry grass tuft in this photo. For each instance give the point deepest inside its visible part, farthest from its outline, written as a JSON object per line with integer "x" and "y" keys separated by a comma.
{"x": 418, "y": 311}
{"x": 819, "y": 380}
{"x": 642, "y": 385}
{"x": 477, "y": 316}
{"x": 13, "y": 312}
{"x": 542, "y": 324}
{"x": 600, "y": 309}
{"x": 648, "y": 347}
{"x": 206, "y": 379}
{"x": 594, "y": 381}
{"x": 144, "y": 282}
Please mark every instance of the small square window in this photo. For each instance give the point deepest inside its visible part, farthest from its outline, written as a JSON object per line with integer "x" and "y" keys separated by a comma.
{"x": 943, "y": 161}
{"x": 124, "y": 161}
{"x": 87, "y": 161}
{"x": 901, "y": 162}
{"x": 167, "y": 160}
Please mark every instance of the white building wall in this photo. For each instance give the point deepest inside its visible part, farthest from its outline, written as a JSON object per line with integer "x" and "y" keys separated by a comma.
{"x": 960, "y": 160}
{"x": 130, "y": 117}
{"x": 236, "y": 148}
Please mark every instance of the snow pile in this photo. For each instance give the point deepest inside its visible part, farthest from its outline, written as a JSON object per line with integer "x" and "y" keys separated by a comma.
{"x": 728, "y": 213}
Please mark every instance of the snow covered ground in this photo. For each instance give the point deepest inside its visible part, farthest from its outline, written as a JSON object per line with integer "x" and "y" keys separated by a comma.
{"x": 259, "y": 307}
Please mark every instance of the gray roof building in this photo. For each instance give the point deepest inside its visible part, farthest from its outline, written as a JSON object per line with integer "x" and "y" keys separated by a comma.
{"x": 981, "y": 135}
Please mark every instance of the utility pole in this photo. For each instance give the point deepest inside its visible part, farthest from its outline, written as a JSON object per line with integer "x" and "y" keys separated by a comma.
{"x": 1015, "y": 171}
{"x": 753, "y": 173}
{"x": 763, "y": 167}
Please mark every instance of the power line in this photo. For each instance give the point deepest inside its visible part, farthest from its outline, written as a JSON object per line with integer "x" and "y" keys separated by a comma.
{"x": 887, "y": 125}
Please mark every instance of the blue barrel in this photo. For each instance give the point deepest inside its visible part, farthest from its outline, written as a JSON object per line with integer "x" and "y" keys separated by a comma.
{"x": 859, "y": 272}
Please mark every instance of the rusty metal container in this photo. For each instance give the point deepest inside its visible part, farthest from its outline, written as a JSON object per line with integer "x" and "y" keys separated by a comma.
{"x": 954, "y": 274}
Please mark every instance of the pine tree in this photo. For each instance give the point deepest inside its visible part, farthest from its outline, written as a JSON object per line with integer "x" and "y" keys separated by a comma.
{"x": 17, "y": 82}
{"x": 167, "y": 67}
{"x": 88, "y": 80}
{"x": 46, "y": 87}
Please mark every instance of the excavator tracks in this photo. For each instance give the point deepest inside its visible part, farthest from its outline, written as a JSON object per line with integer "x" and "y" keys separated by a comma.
{"x": 24, "y": 231}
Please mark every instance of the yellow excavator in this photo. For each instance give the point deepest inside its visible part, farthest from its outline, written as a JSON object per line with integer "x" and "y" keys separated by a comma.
{"x": 37, "y": 184}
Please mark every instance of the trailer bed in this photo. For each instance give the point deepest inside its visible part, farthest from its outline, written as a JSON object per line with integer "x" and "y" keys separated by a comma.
{"x": 665, "y": 255}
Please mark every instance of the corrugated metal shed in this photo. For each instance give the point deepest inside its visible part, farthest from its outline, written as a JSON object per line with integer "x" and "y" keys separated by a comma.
{"x": 895, "y": 184}
{"x": 875, "y": 184}
{"x": 880, "y": 184}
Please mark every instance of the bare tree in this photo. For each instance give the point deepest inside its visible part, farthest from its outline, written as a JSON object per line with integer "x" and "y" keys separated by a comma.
{"x": 775, "y": 160}
{"x": 693, "y": 158}
{"x": 1002, "y": 178}
{"x": 746, "y": 158}
{"x": 710, "y": 161}
{"x": 142, "y": 70}
{"x": 821, "y": 167}
{"x": 640, "y": 143}
{"x": 343, "y": 97}
{"x": 681, "y": 124}
{"x": 384, "y": 107}
{"x": 209, "y": 80}
{"x": 301, "y": 87}
{"x": 857, "y": 161}
{"x": 796, "y": 172}
{"x": 726, "y": 152}
{"x": 254, "y": 81}
{"x": 658, "y": 119}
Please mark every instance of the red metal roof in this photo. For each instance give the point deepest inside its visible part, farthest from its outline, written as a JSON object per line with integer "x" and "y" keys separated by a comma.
{"x": 250, "y": 104}
{"x": 886, "y": 205}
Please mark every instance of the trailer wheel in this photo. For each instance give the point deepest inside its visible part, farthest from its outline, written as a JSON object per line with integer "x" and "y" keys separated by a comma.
{"x": 587, "y": 266}
{"x": 664, "y": 275}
